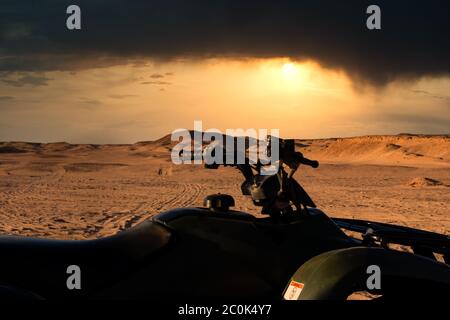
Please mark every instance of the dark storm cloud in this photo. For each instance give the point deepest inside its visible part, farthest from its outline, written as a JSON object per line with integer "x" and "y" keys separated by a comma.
{"x": 413, "y": 42}
{"x": 122, "y": 96}
{"x": 27, "y": 79}
{"x": 92, "y": 102}
{"x": 159, "y": 83}
{"x": 157, "y": 76}
{"x": 432, "y": 95}
{"x": 7, "y": 102}
{"x": 6, "y": 98}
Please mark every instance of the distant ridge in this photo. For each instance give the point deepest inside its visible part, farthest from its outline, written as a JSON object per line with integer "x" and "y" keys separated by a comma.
{"x": 407, "y": 149}
{"x": 401, "y": 149}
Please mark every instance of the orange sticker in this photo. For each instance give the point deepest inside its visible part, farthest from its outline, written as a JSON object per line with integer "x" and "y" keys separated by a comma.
{"x": 294, "y": 290}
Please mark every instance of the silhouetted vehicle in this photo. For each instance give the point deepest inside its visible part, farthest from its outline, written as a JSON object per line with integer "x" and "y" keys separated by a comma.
{"x": 214, "y": 252}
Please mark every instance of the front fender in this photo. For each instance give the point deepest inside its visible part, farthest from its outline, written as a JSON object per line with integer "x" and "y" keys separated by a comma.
{"x": 334, "y": 275}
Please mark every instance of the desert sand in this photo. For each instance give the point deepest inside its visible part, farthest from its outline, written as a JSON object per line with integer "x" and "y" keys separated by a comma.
{"x": 67, "y": 191}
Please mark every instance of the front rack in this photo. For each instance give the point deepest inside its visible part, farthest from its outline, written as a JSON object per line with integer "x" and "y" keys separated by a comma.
{"x": 424, "y": 243}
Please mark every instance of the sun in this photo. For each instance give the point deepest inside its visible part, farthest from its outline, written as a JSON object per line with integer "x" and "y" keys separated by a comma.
{"x": 289, "y": 70}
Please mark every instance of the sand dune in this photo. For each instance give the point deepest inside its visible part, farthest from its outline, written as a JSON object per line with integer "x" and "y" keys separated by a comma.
{"x": 424, "y": 182}
{"x": 418, "y": 150}
{"x": 62, "y": 190}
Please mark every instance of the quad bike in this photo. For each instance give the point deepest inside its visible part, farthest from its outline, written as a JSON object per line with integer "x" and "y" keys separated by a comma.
{"x": 214, "y": 252}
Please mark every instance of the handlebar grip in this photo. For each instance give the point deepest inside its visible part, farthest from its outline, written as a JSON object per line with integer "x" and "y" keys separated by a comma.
{"x": 308, "y": 162}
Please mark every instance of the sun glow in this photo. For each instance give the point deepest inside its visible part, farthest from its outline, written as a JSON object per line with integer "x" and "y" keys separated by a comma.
{"x": 289, "y": 70}
{"x": 128, "y": 104}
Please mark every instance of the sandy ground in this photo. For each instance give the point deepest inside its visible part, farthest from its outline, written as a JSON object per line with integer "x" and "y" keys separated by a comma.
{"x": 68, "y": 191}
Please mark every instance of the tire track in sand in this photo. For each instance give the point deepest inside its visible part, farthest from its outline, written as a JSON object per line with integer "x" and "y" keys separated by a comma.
{"x": 186, "y": 195}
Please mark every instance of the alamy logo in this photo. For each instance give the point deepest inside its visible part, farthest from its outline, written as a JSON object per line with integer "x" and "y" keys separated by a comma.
{"x": 73, "y": 22}
{"x": 374, "y": 20}
{"x": 374, "y": 280}
{"x": 74, "y": 280}
{"x": 236, "y": 147}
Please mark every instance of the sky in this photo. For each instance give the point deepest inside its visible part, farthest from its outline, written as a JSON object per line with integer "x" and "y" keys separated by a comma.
{"x": 139, "y": 70}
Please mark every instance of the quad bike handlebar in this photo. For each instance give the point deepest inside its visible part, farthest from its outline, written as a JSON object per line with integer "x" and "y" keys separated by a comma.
{"x": 287, "y": 155}
{"x": 278, "y": 192}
